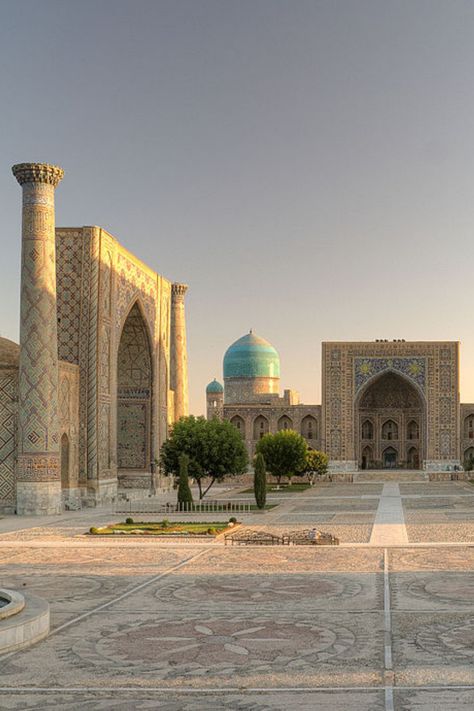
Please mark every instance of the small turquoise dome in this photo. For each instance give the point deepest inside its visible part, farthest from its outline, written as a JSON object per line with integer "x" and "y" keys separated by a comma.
{"x": 251, "y": 357}
{"x": 214, "y": 387}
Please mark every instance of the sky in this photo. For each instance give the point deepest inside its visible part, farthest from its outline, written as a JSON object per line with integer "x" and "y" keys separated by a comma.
{"x": 306, "y": 166}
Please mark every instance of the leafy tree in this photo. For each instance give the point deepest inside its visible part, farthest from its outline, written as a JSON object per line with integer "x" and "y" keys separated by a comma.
{"x": 260, "y": 481}
{"x": 284, "y": 453}
{"x": 316, "y": 464}
{"x": 215, "y": 449}
{"x": 185, "y": 497}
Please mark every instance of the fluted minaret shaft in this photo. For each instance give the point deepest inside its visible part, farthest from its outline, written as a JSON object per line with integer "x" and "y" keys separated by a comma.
{"x": 38, "y": 476}
{"x": 178, "y": 356}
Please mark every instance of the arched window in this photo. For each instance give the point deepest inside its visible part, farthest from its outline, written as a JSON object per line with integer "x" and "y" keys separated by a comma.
{"x": 260, "y": 427}
{"x": 413, "y": 430}
{"x": 469, "y": 427}
{"x": 285, "y": 423}
{"x": 367, "y": 458}
{"x": 309, "y": 427}
{"x": 469, "y": 459}
{"x": 413, "y": 458}
{"x": 390, "y": 458}
{"x": 389, "y": 430}
{"x": 367, "y": 430}
{"x": 239, "y": 424}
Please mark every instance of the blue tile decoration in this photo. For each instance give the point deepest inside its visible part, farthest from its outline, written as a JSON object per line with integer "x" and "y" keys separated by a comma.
{"x": 413, "y": 368}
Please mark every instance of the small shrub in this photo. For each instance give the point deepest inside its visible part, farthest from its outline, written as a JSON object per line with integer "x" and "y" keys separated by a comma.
{"x": 165, "y": 523}
{"x": 232, "y": 519}
{"x": 93, "y": 529}
{"x": 129, "y": 520}
{"x": 212, "y": 531}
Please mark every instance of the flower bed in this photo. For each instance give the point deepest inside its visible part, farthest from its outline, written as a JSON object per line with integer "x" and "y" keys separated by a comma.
{"x": 164, "y": 528}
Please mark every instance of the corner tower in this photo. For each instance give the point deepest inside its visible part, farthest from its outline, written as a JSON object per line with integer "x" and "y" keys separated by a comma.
{"x": 179, "y": 358}
{"x": 215, "y": 400}
{"x": 38, "y": 476}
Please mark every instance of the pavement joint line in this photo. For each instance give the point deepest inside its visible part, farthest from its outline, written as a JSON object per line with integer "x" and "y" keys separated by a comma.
{"x": 387, "y": 614}
{"x": 227, "y": 689}
{"x": 389, "y": 699}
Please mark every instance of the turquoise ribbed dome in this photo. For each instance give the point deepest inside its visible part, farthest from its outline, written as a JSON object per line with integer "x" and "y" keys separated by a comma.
{"x": 214, "y": 387}
{"x": 251, "y": 357}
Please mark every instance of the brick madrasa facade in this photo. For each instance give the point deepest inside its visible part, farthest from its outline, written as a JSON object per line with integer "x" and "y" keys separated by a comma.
{"x": 87, "y": 397}
{"x": 385, "y": 404}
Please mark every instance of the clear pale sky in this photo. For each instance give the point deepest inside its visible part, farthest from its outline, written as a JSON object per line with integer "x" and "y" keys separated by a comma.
{"x": 307, "y": 167}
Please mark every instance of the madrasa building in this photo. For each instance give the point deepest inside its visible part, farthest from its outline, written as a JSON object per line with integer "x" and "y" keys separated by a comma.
{"x": 100, "y": 373}
{"x": 385, "y": 404}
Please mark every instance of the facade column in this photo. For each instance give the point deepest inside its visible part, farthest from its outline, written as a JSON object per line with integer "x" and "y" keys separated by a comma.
{"x": 38, "y": 475}
{"x": 178, "y": 355}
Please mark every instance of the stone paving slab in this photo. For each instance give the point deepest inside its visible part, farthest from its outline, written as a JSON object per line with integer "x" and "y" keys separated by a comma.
{"x": 429, "y": 699}
{"x": 271, "y": 560}
{"x": 456, "y": 558}
{"x": 447, "y": 591}
{"x": 441, "y": 532}
{"x": 434, "y": 646}
{"x": 366, "y": 700}
{"x": 202, "y": 650}
{"x": 448, "y": 488}
{"x": 308, "y": 591}
{"x": 339, "y": 505}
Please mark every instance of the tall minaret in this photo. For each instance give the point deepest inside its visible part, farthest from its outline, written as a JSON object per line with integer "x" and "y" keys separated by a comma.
{"x": 179, "y": 357}
{"x": 38, "y": 476}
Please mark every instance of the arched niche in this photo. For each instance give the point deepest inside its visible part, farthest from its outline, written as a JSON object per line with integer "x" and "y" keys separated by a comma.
{"x": 309, "y": 427}
{"x": 134, "y": 394}
{"x": 285, "y": 423}
{"x": 260, "y": 427}
{"x": 239, "y": 424}
{"x": 390, "y": 401}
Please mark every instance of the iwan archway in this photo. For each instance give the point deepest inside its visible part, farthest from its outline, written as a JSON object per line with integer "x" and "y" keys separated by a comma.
{"x": 390, "y": 423}
{"x": 134, "y": 398}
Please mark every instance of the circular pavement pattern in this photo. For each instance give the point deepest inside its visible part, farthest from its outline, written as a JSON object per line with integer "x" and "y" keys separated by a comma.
{"x": 196, "y": 647}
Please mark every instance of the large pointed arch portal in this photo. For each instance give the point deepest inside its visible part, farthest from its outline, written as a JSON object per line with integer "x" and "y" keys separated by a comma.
{"x": 396, "y": 410}
{"x": 134, "y": 395}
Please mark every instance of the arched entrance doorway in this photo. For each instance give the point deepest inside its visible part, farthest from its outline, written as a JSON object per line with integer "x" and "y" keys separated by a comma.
{"x": 134, "y": 395}
{"x": 390, "y": 421}
{"x": 390, "y": 458}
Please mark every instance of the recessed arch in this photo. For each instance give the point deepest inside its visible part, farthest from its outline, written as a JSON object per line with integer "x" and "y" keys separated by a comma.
{"x": 239, "y": 424}
{"x": 309, "y": 427}
{"x": 413, "y": 458}
{"x": 260, "y": 427}
{"x": 390, "y": 458}
{"x": 468, "y": 426}
{"x": 64, "y": 458}
{"x": 413, "y": 430}
{"x": 134, "y": 393}
{"x": 285, "y": 423}
{"x": 367, "y": 429}
{"x": 390, "y": 401}
{"x": 367, "y": 457}
{"x": 389, "y": 429}
{"x": 468, "y": 459}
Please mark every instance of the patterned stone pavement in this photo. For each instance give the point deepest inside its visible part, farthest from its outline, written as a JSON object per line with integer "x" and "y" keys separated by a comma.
{"x": 177, "y": 626}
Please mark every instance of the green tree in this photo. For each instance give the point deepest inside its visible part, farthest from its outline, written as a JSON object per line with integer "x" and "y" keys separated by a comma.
{"x": 185, "y": 497}
{"x": 284, "y": 453}
{"x": 260, "y": 481}
{"x": 316, "y": 464}
{"x": 214, "y": 447}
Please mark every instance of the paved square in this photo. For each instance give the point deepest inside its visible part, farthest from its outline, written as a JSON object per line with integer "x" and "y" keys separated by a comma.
{"x": 144, "y": 624}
